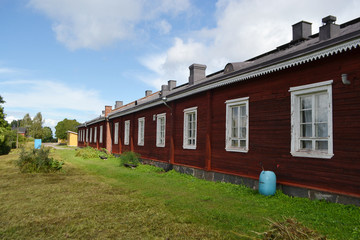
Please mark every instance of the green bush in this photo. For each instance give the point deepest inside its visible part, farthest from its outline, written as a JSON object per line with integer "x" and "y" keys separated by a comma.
{"x": 5, "y": 140}
{"x": 89, "y": 152}
{"x": 37, "y": 160}
{"x": 130, "y": 158}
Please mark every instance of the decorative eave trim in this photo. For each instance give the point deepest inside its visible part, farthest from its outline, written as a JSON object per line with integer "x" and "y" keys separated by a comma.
{"x": 93, "y": 121}
{"x": 309, "y": 57}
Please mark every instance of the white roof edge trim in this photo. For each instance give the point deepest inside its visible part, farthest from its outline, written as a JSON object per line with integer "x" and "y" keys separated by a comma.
{"x": 263, "y": 71}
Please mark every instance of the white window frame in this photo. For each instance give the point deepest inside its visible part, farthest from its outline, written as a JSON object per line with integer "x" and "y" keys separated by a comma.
{"x": 101, "y": 134}
{"x": 141, "y": 131}
{"x": 310, "y": 90}
{"x": 228, "y": 139}
{"x": 116, "y": 133}
{"x": 186, "y": 137}
{"x": 87, "y": 135}
{"x": 127, "y": 132}
{"x": 160, "y": 138}
{"x": 91, "y": 135}
{"x": 95, "y": 134}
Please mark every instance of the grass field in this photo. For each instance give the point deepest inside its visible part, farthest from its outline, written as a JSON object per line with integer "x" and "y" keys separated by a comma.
{"x": 97, "y": 199}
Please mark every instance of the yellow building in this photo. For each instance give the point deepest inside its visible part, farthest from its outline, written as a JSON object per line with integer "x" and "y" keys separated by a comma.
{"x": 72, "y": 138}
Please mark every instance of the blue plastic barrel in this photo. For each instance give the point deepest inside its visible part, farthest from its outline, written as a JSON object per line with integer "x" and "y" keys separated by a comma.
{"x": 267, "y": 183}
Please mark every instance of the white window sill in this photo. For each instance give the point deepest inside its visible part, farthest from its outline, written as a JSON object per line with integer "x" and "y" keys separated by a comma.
{"x": 236, "y": 150}
{"x": 140, "y": 144}
{"x": 160, "y": 145}
{"x": 312, "y": 154}
{"x": 189, "y": 147}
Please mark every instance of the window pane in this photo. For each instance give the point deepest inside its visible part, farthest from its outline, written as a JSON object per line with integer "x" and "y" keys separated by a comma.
{"x": 306, "y": 102}
{"x": 321, "y": 108}
{"x": 321, "y": 130}
{"x": 306, "y": 130}
{"x": 321, "y": 145}
{"x": 234, "y": 143}
{"x": 234, "y": 132}
{"x": 306, "y": 116}
{"x": 242, "y": 143}
{"x": 243, "y": 132}
{"x": 306, "y": 145}
{"x": 243, "y": 111}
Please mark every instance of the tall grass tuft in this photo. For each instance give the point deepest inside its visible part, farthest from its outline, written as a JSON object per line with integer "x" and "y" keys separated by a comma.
{"x": 89, "y": 152}
{"x": 37, "y": 160}
{"x": 129, "y": 158}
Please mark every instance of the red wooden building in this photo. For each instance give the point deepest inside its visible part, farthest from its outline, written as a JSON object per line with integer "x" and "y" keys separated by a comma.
{"x": 295, "y": 110}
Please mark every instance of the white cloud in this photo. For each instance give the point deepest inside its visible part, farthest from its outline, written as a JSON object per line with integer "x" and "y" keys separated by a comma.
{"x": 244, "y": 29}
{"x": 50, "y": 123}
{"x": 6, "y": 70}
{"x": 42, "y": 94}
{"x": 164, "y": 27}
{"x": 97, "y": 23}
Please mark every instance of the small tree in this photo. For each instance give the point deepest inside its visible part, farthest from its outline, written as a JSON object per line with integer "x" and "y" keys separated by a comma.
{"x": 36, "y": 130}
{"x": 47, "y": 134}
{"x": 65, "y": 125}
{"x": 5, "y": 131}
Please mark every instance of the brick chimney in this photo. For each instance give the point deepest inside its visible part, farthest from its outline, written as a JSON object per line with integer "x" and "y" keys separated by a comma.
{"x": 197, "y": 72}
{"x": 329, "y": 29}
{"x": 301, "y": 30}
{"x": 108, "y": 110}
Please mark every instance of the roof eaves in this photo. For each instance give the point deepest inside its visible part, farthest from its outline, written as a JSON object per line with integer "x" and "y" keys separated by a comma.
{"x": 311, "y": 53}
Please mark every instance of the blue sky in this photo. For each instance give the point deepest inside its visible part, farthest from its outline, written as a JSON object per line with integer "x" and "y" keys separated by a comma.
{"x": 70, "y": 58}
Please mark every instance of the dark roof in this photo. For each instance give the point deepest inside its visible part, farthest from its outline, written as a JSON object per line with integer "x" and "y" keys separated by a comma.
{"x": 285, "y": 56}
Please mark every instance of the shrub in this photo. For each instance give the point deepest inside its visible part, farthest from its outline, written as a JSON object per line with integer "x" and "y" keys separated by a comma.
{"x": 37, "y": 160}
{"x": 5, "y": 141}
{"x": 129, "y": 158}
{"x": 89, "y": 152}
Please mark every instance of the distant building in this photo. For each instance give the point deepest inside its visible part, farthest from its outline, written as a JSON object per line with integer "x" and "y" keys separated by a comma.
{"x": 20, "y": 130}
{"x": 72, "y": 138}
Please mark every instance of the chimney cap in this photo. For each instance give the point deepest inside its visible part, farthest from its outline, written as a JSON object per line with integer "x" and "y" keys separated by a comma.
{"x": 329, "y": 20}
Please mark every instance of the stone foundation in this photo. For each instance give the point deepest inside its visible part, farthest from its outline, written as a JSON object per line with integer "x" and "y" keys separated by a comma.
{"x": 254, "y": 184}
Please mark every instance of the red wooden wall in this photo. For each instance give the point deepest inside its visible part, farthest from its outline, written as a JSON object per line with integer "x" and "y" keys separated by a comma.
{"x": 269, "y": 128}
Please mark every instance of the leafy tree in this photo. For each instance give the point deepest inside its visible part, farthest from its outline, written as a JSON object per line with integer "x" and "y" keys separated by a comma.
{"x": 47, "y": 134}
{"x": 16, "y": 123}
{"x": 36, "y": 127}
{"x": 5, "y": 131}
{"x": 3, "y": 123}
{"x": 26, "y": 122}
{"x": 65, "y": 125}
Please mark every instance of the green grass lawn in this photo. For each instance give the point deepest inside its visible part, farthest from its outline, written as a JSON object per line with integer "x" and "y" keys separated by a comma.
{"x": 97, "y": 199}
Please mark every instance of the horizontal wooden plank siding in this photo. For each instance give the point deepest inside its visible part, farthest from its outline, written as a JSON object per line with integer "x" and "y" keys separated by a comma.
{"x": 269, "y": 103}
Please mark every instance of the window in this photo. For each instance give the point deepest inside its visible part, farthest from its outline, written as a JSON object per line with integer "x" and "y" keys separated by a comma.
{"x": 95, "y": 133}
{"x": 101, "y": 134}
{"x": 190, "y": 126}
{"x": 141, "y": 130}
{"x": 160, "y": 129}
{"x": 87, "y": 135}
{"x": 237, "y": 125}
{"x": 311, "y": 120}
{"x": 127, "y": 132}
{"x": 90, "y": 134}
{"x": 116, "y": 133}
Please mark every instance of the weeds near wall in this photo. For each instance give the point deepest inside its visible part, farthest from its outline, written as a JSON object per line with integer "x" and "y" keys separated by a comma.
{"x": 37, "y": 160}
{"x": 129, "y": 159}
{"x": 89, "y": 152}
